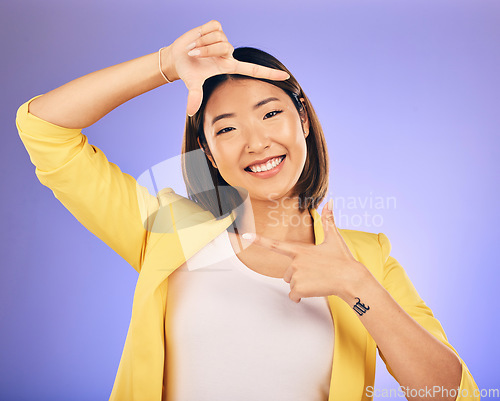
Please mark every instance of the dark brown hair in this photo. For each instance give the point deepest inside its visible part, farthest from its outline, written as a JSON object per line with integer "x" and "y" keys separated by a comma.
{"x": 204, "y": 183}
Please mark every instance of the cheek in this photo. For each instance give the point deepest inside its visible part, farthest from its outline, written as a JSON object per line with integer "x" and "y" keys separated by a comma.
{"x": 298, "y": 145}
{"x": 227, "y": 160}
{"x": 296, "y": 137}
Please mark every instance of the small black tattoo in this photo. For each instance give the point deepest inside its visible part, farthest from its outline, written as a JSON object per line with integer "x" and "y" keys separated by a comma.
{"x": 360, "y": 308}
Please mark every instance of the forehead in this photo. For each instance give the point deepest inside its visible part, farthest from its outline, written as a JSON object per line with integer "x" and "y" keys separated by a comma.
{"x": 237, "y": 94}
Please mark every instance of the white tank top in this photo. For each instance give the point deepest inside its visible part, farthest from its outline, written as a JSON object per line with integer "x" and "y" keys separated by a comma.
{"x": 234, "y": 334}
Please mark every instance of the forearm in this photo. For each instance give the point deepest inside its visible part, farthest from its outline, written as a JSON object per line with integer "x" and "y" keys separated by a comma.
{"x": 417, "y": 358}
{"x": 85, "y": 100}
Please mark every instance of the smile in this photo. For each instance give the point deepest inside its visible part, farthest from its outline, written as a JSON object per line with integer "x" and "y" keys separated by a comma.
{"x": 268, "y": 169}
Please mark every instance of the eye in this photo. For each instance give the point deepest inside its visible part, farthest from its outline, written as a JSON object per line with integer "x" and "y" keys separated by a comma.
{"x": 224, "y": 130}
{"x": 273, "y": 113}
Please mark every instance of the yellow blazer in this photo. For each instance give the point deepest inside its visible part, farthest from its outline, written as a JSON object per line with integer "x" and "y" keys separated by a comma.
{"x": 155, "y": 235}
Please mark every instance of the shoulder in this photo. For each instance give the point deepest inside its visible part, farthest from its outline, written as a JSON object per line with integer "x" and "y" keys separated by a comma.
{"x": 169, "y": 209}
{"x": 371, "y": 249}
{"x": 364, "y": 240}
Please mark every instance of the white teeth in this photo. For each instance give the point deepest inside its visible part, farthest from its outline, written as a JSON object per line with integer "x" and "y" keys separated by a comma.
{"x": 268, "y": 166}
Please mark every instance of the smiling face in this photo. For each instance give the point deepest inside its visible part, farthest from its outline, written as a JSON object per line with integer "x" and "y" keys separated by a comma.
{"x": 248, "y": 122}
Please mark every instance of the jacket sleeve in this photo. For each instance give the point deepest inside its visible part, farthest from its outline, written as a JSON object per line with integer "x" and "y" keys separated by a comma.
{"x": 108, "y": 202}
{"x": 398, "y": 284}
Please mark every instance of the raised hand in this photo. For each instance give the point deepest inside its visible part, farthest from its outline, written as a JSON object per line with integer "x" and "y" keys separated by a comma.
{"x": 203, "y": 52}
{"x": 318, "y": 270}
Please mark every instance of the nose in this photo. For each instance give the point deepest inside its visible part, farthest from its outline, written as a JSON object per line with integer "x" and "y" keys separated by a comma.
{"x": 257, "y": 139}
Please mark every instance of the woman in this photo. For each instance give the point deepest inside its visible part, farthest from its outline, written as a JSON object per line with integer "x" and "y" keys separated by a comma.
{"x": 235, "y": 333}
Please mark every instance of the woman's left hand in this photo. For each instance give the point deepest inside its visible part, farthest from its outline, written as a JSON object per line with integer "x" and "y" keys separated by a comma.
{"x": 319, "y": 270}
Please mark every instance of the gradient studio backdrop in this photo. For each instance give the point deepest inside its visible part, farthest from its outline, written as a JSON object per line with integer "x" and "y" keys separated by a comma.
{"x": 408, "y": 95}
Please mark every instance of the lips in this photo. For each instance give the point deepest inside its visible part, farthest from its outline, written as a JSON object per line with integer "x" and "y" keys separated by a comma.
{"x": 263, "y": 161}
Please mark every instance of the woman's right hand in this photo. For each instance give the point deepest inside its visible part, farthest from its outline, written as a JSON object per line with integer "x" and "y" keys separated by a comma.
{"x": 203, "y": 52}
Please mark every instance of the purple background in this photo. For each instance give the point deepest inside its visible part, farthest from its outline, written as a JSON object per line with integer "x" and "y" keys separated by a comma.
{"x": 408, "y": 96}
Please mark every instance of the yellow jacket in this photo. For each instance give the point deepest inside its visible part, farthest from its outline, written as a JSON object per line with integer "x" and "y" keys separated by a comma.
{"x": 155, "y": 235}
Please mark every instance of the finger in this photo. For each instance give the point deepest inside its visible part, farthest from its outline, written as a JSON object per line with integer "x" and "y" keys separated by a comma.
{"x": 208, "y": 39}
{"x": 195, "y": 33}
{"x": 288, "y": 275}
{"x": 294, "y": 297}
{"x": 210, "y": 26}
{"x": 285, "y": 248}
{"x": 324, "y": 212}
{"x": 220, "y": 49}
{"x": 331, "y": 229}
{"x": 329, "y": 219}
{"x": 195, "y": 97}
{"x": 259, "y": 71}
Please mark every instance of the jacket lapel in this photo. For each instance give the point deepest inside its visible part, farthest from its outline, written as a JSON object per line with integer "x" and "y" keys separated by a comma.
{"x": 350, "y": 347}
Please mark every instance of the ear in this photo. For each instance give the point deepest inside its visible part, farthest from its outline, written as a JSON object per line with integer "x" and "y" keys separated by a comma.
{"x": 206, "y": 153}
{"x": 304, "y": 118}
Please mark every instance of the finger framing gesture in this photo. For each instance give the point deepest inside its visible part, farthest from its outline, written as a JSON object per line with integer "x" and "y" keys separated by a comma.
{"x": 203, "y": 52}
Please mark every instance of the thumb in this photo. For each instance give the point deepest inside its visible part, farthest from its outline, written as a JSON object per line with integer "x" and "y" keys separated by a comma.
{"x": 327, "y": 218}
{"x": 195, "y": 97}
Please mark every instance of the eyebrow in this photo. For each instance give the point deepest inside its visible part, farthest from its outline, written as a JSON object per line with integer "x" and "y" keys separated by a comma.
{"x": 261, "y": 103}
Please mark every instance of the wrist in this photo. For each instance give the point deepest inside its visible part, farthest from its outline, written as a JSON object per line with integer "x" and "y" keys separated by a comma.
{"x": 362, "y": 284}
{"x": 167, "y": 66}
